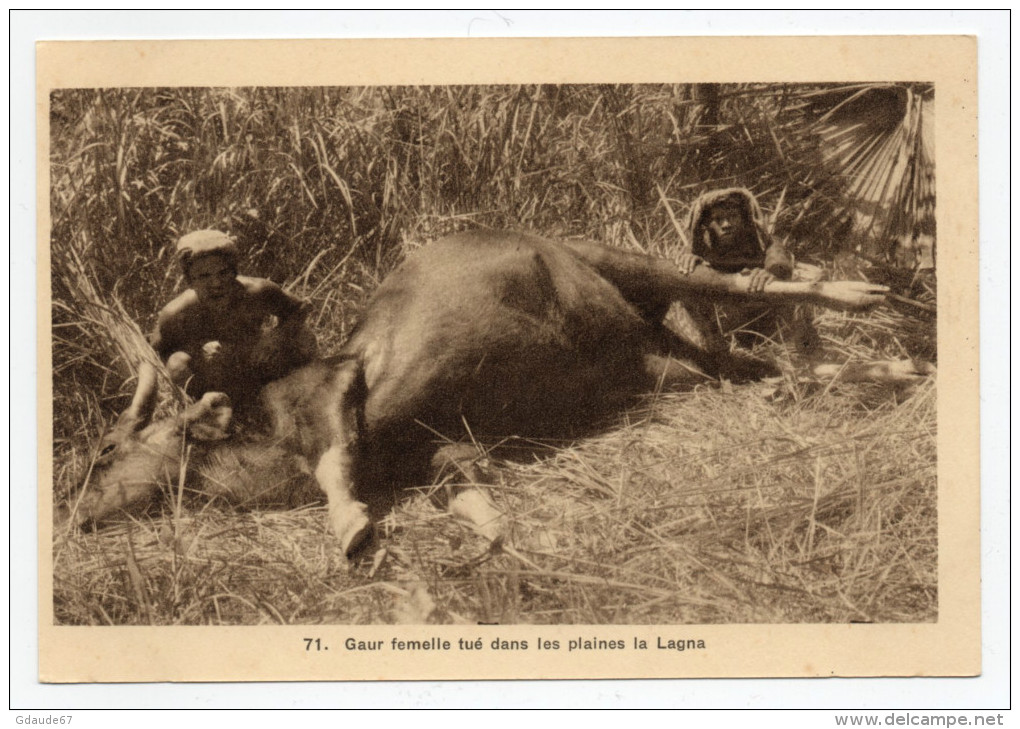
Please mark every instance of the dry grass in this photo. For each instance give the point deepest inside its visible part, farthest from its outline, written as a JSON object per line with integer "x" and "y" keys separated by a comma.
{"x": 704, "y": 507}
{"x": 777, "y": 502}
{"x": 771, "y": 502}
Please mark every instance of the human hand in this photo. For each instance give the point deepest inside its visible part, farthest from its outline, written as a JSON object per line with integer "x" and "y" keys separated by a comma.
{"x": 688, "y": 261}
{"x": 759, "y": 279}
{"x": 212, "y": 350}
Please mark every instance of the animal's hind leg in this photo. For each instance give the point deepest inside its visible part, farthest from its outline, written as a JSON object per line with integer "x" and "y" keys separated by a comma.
{"x": 337, "y": 468}
{"x": 701, "y": 359}
{"x": 456, "y": 471}
{"x": 652, "y": 284}
{"x": 680, "y": 365}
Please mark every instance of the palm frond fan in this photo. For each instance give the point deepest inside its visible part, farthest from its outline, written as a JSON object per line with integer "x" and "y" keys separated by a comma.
{"x": 878, "y": 139}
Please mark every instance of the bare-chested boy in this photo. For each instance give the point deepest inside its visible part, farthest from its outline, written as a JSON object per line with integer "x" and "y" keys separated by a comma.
{"x": 228, "y": 333}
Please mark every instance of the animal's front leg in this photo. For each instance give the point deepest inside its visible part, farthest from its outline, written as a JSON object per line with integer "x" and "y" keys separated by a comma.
{"x": 348, "y": 517}
{"x": 338, "y": 465}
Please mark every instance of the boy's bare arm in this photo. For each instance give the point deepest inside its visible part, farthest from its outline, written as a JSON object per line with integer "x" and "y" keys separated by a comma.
{"x": 168, "y": 336}
{"x": 288, "y": 309}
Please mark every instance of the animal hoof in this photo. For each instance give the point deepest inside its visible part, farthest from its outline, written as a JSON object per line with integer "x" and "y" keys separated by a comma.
{"x": 472, "y": 507}
{"x": 890, "y": 371}
{"x": 353, "y": 527}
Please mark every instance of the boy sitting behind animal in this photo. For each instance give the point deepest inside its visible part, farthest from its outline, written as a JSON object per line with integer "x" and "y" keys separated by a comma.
{"x": 728, "y": 232}
{"x": 226, "y": 332}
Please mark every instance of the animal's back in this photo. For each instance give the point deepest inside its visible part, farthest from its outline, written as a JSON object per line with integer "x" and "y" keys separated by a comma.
{"x": 508, "y": 332}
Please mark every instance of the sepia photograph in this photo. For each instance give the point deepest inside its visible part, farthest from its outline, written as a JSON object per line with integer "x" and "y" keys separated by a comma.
{"x": 582, "y": 367}
{"x": 494, "y": 354}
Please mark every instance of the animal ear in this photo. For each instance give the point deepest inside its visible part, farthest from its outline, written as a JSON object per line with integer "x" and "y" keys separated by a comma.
{"x": 209, "y": 418}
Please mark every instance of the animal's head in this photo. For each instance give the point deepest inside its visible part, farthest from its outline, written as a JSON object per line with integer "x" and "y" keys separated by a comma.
{"x": 137, "y": 456}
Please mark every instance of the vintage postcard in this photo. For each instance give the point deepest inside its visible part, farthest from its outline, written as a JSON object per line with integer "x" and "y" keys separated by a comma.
{"x": 490, "y": 359}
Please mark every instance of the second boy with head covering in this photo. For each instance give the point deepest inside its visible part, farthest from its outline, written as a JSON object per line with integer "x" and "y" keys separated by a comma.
{"x": 728, "y": 232}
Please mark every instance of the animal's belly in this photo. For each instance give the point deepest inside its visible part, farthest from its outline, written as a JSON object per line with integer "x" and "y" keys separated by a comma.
{"x": 500, "y": 335}
{"x": 520, "y": 375}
